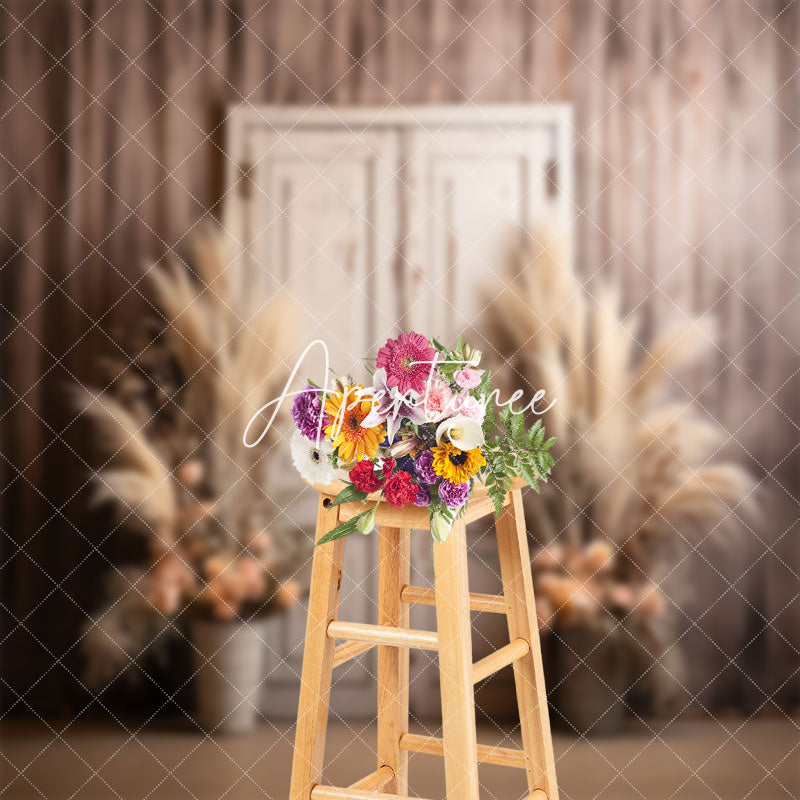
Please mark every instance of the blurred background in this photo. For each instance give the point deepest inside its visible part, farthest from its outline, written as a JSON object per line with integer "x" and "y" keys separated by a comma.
{"x": 600, "y": 196}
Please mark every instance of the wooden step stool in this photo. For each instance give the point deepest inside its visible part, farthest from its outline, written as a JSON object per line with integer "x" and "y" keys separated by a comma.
{"x": 452, "y": 640}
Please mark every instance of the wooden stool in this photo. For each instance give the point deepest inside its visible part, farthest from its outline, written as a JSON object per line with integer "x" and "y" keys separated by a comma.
{"x": 452, "y": 640}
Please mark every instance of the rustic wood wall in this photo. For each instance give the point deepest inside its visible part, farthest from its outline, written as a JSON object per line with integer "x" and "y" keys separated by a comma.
{"x": 687, "y": 178}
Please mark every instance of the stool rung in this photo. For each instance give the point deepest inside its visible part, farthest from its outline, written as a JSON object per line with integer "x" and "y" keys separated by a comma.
{"x": 320, "y": 792}
{"x": 537, "y": 794}
{"x": 487, "y": 754}
{"x": 375, "y": 781}
{"x": 383, "y": 634}
{"x": 349, "y": 650}
{"x": 494, "y": 662}
{"x": 492, "y": 603}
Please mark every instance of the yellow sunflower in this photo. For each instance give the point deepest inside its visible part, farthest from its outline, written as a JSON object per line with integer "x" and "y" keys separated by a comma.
{"x": 346, "y": 411}
{"x": 457, "y": 466}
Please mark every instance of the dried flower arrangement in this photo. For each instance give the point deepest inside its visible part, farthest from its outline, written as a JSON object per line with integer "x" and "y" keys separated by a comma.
{"x": 184, "y": 381}
{"x": 637, "y": 473}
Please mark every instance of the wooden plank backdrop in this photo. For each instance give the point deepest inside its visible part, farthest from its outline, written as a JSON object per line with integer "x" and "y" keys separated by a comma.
{"x": 687, "y": 178}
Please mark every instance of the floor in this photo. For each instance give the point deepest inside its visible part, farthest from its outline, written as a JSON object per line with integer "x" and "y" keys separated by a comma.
{"x": 725, "y": 759}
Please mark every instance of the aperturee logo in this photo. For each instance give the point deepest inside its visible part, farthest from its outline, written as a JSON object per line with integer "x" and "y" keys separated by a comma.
{"x": 428, "y": 428}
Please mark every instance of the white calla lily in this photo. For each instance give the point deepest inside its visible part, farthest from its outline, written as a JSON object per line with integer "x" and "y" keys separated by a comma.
{"x": 462, "y": 432}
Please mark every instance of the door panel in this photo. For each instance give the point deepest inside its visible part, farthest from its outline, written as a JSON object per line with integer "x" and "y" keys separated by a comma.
{"x": 474, "y": 191}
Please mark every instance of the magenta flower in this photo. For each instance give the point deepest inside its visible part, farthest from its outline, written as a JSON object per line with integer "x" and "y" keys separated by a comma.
{"x": 408, "y": 361}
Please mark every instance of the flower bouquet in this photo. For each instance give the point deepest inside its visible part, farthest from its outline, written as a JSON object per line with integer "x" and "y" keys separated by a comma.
{"x": 422, "y": 434}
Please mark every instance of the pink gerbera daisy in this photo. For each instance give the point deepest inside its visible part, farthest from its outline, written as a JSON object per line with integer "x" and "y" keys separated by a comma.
{"x": 408, "y": 361}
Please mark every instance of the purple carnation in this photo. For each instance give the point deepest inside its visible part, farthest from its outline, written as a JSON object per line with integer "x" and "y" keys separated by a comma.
{"x": 423, "y": 466}
{"x": 454, "y": 495}
{"x": 306, "y": 412}
{"x": 423, "y": 498}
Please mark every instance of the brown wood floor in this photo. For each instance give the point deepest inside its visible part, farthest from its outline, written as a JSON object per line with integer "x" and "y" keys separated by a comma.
{"x": 725, "y": 759}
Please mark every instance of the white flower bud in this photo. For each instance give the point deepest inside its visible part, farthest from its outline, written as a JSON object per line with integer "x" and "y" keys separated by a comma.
{"x": 366, "y": 523}
{"x": 440, "y": 528}
{"x": 404, "y": 447}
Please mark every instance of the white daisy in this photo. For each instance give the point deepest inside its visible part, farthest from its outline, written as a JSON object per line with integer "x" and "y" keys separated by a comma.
{"x": 312, "y": 462}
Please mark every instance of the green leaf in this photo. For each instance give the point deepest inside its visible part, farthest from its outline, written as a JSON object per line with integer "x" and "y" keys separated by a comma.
{"x": 344, "y": 529}
{"x": 448, "y": 370}
{"x": 348, "y": 495}
{"x": 489, "y": 422}
{"x": 528, "y": 476}
{"x": 483, "y": 389}
{"x": 549, "y": 443}
{"x": 498, "y": 496}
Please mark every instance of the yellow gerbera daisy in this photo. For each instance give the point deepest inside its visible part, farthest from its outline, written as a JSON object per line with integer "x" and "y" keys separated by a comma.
{"x": 457, "y": 466}
{"x": 346, "y": 410}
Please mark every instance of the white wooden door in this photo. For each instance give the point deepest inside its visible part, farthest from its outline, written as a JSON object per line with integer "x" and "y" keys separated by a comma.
{"x": 377, "y": 220}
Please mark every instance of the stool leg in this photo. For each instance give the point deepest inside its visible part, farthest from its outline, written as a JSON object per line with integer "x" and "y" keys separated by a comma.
{"x": 315, "y": 684}
{"x": 455, "y": 665}
{"x": 394, "y": 572}
{"x": 515, "y": 568}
